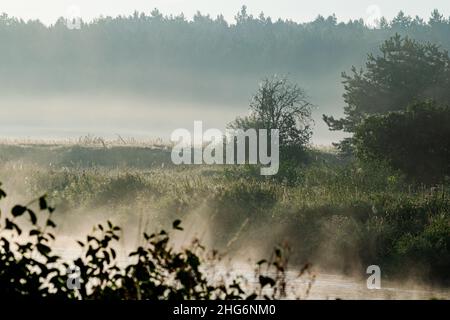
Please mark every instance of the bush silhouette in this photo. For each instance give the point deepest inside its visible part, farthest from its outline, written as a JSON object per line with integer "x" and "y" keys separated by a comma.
{"x": 156, "y": 270}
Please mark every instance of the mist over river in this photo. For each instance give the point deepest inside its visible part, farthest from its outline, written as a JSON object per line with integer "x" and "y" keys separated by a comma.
{"x": 143, "y": 118}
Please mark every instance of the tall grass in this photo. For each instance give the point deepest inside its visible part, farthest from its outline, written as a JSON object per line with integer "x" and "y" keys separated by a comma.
{"x": 335, "y": 212}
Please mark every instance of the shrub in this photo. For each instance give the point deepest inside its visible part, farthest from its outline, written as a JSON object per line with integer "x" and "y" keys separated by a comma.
{"x": 156, "y": 270}
{"x": 416, "y": 141}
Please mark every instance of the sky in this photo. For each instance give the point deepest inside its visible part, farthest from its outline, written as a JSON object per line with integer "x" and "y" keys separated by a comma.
{"x": 49, "y": 10}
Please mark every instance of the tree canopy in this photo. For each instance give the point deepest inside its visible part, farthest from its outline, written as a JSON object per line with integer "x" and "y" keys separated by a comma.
{"x": 146, "y": 51}
{"x": 415, "y": 141}
{"x": 283, "y": 105}
{"x": 405, "y": 72}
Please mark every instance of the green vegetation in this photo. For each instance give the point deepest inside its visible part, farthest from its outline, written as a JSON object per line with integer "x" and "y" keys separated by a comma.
{"x": 384, "y": 199}
{"x": 340, "y": 213}
{"x": 283, "y": 105}
{"x": 415, "y": 141}
{"x": 406, "y": 72}
{"x": 150, "y": 53}
{"x": 29, "y": 268}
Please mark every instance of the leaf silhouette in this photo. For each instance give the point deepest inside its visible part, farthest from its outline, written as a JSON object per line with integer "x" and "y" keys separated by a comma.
{"x": 176, "y": 225}
{"x": 18, "y": 210}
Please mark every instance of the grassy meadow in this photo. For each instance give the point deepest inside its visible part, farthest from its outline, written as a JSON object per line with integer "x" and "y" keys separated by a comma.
{"x": 336, "y": 213}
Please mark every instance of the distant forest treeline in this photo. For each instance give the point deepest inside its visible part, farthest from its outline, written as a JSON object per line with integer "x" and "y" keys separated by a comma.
{"x": 154, "y": 52}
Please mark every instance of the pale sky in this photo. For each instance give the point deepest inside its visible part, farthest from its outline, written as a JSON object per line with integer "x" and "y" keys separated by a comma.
{"x": 49, "y": 10}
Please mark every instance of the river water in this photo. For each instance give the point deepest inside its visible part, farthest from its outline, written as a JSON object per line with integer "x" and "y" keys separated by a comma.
{"x": 324, "y": 286}
{"x": 329, "y": 286}
{"x": 332, "y": 286}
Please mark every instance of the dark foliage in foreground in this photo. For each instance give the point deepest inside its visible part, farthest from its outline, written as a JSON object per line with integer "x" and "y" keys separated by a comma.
{"x": 30, "y": 268}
